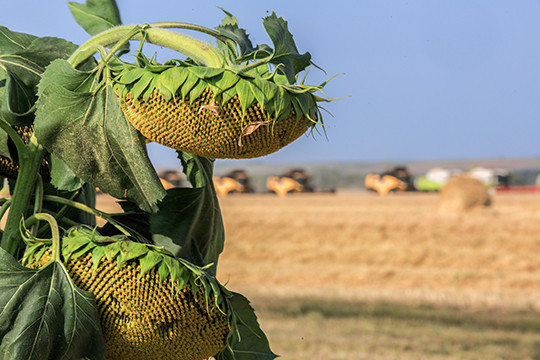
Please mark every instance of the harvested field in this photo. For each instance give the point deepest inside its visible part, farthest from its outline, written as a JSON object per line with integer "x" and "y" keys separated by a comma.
{"x": 354, "y": 275}
{"x": 359, "y": 276}
{"x": 359, "y": 246}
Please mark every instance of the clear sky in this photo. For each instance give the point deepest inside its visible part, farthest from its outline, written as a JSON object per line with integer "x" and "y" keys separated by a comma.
{"x": 426, "y": 79}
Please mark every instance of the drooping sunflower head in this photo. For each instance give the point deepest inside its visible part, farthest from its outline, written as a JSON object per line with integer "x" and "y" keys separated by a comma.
{"x": 215, "y": 113}
{"x": 233, "y": 100}
{"x": 151, "y": 305}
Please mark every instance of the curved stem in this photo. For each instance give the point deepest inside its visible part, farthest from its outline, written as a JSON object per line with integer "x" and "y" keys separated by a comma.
{"x": 62, "y": 212}
{"x": 55, "y": 232}
{"x": 19, "y": 143}
{"x": 88, "y": 209}
{"x": 200, "y": 51}
{"x": 187, "y": 26}
{"x": 245, "y": 68}
{"x": 179, "y": 25}
{"x": 31, "y": 221}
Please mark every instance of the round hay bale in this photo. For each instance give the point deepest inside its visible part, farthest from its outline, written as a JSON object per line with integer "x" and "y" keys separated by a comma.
{"x": 463, "y": 193}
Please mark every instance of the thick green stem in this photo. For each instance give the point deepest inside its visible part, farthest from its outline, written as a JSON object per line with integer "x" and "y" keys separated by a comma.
{"x": 178, "y": 25}
{"x": 198, "y": 50}
{"x": 30, "y": 162}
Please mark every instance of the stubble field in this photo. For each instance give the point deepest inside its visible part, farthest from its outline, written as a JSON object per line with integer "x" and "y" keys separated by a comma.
{"x": 356, "y": 276}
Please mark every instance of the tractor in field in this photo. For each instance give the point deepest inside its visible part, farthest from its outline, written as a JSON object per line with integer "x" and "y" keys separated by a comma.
{"x": 235, "y": 181}
{"x": 292, "y": 181}
{"x": 395, "y": 179}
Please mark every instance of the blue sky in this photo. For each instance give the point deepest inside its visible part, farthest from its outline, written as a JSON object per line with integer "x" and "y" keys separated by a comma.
{"x": 425, "y": 79}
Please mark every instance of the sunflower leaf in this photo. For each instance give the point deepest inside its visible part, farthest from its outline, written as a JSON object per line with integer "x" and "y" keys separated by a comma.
{"x": 43, "y": 315}
{"x": 229, "y": 28}
{"x": 189, "y": 219}
{"x": 285, "y": 51}
{"x": 95, "y": 16}
{"x": 89, "y": 132}
{"x": 12, "y": 42}
{"x": 23, "y": 59}
{"x": 17, "y": 107}
{"x": 250, "y": 342}
{"x": 173, "y": 78}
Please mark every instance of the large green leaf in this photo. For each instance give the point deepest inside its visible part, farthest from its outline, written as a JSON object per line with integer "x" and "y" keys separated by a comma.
{"x": 251, "y": 342}
{"x": 62, "y": 176}
{"x": 22, "y": 61}
{"x": 43, "y": 315}
{"x": 18, "y": 102}
{"x": 89, "y": 132}
{"x": 189, "y": 221}
{"x": 285, "y": 51}
{"x": 28, "y": 63}
{"x": 96, "y": 16}
{"x": 133, "y": 219}
{"x": 12, "y": 41}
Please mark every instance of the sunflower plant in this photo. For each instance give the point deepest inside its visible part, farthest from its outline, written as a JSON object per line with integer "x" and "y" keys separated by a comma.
{"x": 77, "y": 118}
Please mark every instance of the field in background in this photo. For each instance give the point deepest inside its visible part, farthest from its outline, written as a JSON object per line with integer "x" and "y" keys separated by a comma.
{"x": 358, "y": 276}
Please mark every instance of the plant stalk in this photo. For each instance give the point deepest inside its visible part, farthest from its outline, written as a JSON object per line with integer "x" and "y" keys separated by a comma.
{"x": 88, "y": 209}
{"x": 200, "y": 51}
{"x": 55, "y": 232}
{"x": 30, "y": 162}
{"x": 38, "y": 202}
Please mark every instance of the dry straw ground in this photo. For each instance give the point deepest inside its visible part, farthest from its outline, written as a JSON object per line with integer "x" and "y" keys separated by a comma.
{"x": 360, "y": 246}
{"x": 357, "y": 276}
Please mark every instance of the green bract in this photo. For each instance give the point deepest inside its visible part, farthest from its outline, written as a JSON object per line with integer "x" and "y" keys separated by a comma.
{"x": 189, "y": 82}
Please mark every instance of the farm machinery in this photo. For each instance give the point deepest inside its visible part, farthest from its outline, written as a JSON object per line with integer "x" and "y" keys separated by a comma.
{"x": 292, "y": 181}
{"x": 235, "y": 181}
{"x": 394, "y": 179}
{"x": 496, "y": 178}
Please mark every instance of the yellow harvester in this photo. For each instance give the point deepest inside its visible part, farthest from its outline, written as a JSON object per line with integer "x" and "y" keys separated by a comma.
{"x": 292, "y": 181}
{"x": 235, "y": 181}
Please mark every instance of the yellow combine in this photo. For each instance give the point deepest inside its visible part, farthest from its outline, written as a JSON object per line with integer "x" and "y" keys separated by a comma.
{"x": 383, "y": 184}
{"x": 395, "y": 179}
{"x": 292, "y": 181}
{"x": 236, "y": 181}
